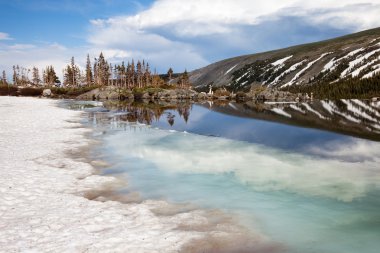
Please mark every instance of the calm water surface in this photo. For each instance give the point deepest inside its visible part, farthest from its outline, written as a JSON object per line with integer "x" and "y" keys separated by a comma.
{"x": 294, "y": 175}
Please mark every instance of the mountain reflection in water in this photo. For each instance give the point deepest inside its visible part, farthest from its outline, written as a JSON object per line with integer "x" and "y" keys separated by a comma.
{"x": 350, "y": 117}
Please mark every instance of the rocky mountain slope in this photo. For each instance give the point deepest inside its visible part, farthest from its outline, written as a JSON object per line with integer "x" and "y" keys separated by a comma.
{"x": 355, "y": 56}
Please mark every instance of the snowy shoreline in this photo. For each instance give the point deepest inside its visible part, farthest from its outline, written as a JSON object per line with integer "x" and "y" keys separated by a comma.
{"x": 42, "y": 203}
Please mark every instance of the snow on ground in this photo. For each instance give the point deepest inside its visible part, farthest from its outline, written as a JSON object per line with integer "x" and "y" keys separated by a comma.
{"x": 372, "y": 73}
{"x": 358, "y": 70}
{"x": 228, "y": 71}
{"x": 334, "y": 62}
{"x": 281, "y": 61}
{"x": 42, "y": 208}
{"x": 237, "y": 80}
{"x": 297, "y": 108}
{"x": 243, "y": 83}
{"x": 289, "y": 70}
{"x": 330, "y": 65}
{"x": 358, "y": 61}
{"x": 357, "y": 111}
{"x": 333, "y": 109}
{"x": 376, "y": 104}
{"x": 366, "y": 107}
{"x": 303, "y": 70}
{"x": 281, "y": 111}
{"x": 308, "y": 107}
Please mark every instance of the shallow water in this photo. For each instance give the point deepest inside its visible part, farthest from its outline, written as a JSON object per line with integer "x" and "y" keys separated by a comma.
{"x": 309, "y": 189}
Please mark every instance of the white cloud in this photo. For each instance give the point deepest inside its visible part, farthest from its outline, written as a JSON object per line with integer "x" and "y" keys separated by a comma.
{"x": 39, "y": 55}
{"x": 21, "y": 46}
{"x": 204, "y": 17}
{"x": 174, "y": 27}
{"x": 190, "y": 34}
{"x": 121, "y": 42}
{"x": 4, "y": 36}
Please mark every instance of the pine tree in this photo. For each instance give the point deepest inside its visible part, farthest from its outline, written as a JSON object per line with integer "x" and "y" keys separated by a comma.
{"x": 15, "y": 77}
{"x": 133, "y": 74}
{"x": 139, "y": 74}
{"x": 89, "y": 76}
{"x": 184, "y": 80}
{"x": 73, "y": 72}
{"x": 35, "y": 76}
{"x": 147, "y": 75}
{"x": 102, "y": 70}
{"x": 50, "y": 77}
{"x": 110, "y": 75}
{"x": 4, "y": 78}
{"x": 170, "y": 73}
{"x": 72, "y": 75}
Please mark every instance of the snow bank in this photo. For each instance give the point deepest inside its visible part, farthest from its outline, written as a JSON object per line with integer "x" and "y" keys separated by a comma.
{"x": 372, "y": 73}
{"x": 281, "y": 112}
{"x": 308, "y": 107}
{"x": 42, "y": 207}
{"x": 309, "y": 65}
{"x": 229, "y": 70}
{"x": 358, "y": 61}
{"x": 281, "y": 61}
{"x": 289, "y": 70}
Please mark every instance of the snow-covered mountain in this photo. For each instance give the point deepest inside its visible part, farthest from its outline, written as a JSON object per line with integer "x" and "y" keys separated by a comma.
{"x": 353, "y": 56}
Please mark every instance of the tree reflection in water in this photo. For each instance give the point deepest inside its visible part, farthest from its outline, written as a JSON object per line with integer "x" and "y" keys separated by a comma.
{"x": 147, "y": 112}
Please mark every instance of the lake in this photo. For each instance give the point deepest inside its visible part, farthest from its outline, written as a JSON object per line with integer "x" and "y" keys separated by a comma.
{"x": 306, "y": 175}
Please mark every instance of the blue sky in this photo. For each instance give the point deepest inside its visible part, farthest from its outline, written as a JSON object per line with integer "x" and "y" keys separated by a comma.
{"x": 169, "y": 33}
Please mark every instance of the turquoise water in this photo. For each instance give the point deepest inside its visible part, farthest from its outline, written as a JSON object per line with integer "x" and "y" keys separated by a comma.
{"x": 310, "y": 190}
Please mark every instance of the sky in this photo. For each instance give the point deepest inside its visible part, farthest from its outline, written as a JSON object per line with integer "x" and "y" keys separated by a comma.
{"x": 181, "y": 34}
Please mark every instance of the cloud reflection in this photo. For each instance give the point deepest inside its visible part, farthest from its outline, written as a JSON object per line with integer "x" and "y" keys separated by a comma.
{"x": 260, "y": 167}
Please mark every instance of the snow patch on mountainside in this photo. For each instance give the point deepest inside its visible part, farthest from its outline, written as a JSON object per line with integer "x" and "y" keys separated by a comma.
{"x": 372, "y": 73}
{"x": 281, "y": 111}
{"x": 357, "y": 111}
{"x": 228, "y": 71}
{"x": 289, "y": 70}
{"x": 354, "y": 63}
{"x": 281, "y": 61}
{"x": 309, "y": 65}
{"x": 308, "y": 107}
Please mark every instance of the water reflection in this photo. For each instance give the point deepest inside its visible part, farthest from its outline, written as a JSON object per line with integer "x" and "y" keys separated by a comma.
{"x": 149, "y": 112}
{"x": 315, "y": 191}
{"x": 352, "y": 117}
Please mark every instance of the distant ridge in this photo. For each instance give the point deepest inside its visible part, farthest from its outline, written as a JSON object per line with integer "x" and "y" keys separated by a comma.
{"x": 354, "y": 56}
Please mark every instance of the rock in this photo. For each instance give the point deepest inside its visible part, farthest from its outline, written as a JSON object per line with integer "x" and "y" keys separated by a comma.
{"x": 46, "y": 93}
{"x": 241, "y": 96}
{"x": 202, "y": 95}
{"x": 145, "y": 95}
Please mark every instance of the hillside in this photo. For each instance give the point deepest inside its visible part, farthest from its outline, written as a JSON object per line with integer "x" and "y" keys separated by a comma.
{"x": 352, "y": 57}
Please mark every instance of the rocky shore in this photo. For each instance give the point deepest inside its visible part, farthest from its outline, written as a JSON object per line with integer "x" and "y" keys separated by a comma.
{"x": 255, "y": 94}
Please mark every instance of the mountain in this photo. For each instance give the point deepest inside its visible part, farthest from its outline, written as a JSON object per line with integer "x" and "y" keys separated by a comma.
{"x": 352, "y": 57}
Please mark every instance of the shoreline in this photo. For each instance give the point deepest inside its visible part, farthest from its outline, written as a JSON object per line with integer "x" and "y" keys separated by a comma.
{"x": 43, "y": 205}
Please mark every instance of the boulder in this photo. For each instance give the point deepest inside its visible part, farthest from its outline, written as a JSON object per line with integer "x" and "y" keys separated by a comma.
{"x": 46, "y": 93}
{"x": 145, "y": 95}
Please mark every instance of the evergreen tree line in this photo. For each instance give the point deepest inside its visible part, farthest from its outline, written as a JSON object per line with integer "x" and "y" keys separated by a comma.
{"x": 21, "y": 77}
{"x": 128, "y": 76}
{"x": 347, "y": 88}
{"x": 100, "y": 73}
